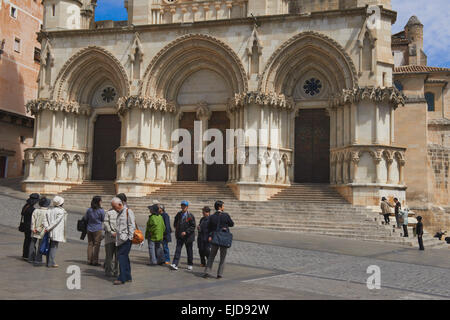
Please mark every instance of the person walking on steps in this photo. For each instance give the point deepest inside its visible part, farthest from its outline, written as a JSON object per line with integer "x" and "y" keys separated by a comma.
{"x": 386, "y": 210}
{"x": 398, "y": 207}
{"x": 185, "y": 234}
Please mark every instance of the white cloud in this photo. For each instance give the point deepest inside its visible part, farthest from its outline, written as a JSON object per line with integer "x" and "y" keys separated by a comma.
{"x": 434, "y": 16}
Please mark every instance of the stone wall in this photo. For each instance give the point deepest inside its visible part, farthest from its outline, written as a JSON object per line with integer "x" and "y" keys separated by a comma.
{"x": 439, "y": 161}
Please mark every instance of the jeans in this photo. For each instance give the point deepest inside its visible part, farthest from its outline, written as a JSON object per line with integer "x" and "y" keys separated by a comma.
{"x": 52, "y": 253}
{"x": 153, "y": 248}
{"x": 386, "y": 218}
{"x": 94, "y": 239}
{"x": 26, "y": 244}
{"x": 166, "y": 250}
{"x": 204, "y": 249}
{"x": 189, "y": 251}
{"x": 123, "y": 252}
{"x": 111, "y": 262}
{"x": 212, "y": 256}
{"x": 35, "y": 256}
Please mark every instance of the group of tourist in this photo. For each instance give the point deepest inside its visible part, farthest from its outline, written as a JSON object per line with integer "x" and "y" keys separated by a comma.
{"x": 401, "y": 218}
{"x": 40, "y": 223}
{"x": 117, "y": 228}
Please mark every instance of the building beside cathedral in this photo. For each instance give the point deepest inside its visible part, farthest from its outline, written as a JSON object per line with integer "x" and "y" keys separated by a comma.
{"x": 320, "y": 72}
{"x": 20, "y": 20}
{"x": 423, "y": 125}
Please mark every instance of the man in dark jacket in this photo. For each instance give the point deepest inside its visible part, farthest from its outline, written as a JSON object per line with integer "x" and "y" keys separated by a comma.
{"x": 204, "y": 246}
{"x": 185, "y": 233}
{"x": 220, "y": 220}
{"x": 167, "y": 234}
{"x": 419, "y": 230}
{"x": 27, "y": 213}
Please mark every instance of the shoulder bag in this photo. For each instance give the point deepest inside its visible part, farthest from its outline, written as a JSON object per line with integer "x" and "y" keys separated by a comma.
{"x": 138, "y": 236}
{"x": 222, "y": 238}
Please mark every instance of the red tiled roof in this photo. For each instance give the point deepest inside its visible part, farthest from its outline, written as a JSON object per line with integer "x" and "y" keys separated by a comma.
{"x": 419, "y": 69}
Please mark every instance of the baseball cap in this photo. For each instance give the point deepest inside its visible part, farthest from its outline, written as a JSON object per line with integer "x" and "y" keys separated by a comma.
{"x": 185, "y": 203}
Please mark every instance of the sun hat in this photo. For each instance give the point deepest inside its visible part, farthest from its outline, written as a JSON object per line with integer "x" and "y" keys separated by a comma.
{"x": 58, "y": 201}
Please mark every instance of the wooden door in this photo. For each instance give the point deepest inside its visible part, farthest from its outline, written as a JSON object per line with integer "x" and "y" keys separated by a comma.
{"x": 2, "y": 166}
{"x": 107, "y": 130}
{"x": 188, "y": 172}
{"x": 219, "y": 172}
{"x": 312, "y": 147}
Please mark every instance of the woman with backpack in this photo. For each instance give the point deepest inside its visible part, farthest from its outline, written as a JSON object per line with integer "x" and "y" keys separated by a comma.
{"x": 94, "y": 217}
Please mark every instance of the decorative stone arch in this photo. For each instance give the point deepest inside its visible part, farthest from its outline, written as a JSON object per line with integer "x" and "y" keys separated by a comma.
{"x": 305, "y": 52}
{"x": 187, "y": 55}
{"x": 85, "y": 71}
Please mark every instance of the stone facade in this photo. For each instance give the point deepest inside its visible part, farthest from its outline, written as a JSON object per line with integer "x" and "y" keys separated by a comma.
{"x": 256, "y": 61}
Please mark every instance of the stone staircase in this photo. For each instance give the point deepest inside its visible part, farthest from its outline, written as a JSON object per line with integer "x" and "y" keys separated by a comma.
{"x": 306, "y": 208}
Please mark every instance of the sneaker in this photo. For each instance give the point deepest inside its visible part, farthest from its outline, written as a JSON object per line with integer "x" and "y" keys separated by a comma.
{"x": 219, "y": 277}
{"x": 189, "y": 268}
{"x": 167, "y": 262}
{"x": 173, "y": 267}
{"x": 117, "y": 282}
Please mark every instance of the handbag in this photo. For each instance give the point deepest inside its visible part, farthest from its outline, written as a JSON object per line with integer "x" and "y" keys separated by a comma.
{"x": 222, "y": 238}
{"x": 138, "y": 236}
{"x": 82, "y": 225}
{"x": 45, "y": 245}
{"x": 21, "y": 225}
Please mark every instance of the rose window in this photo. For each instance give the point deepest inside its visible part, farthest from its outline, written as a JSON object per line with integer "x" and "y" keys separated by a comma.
{"x": 312, "y": 86}
{"x": 108, "y": 94}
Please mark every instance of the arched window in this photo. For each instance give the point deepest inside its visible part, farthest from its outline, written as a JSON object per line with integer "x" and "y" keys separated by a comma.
{"x": 429, "y": 96}
{"x": 398, "y": 85}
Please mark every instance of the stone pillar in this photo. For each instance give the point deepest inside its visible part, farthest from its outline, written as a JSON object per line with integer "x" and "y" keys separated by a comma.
{"x": 389, "y": 170}
{"x": 401, "y": 165}
{"x": 52, "y": 130}
{"x": 354, "y": 169}
{"x": 377, "y": 161}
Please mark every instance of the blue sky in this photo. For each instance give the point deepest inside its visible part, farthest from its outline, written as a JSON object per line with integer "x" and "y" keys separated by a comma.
{"x": 432, "y": 13}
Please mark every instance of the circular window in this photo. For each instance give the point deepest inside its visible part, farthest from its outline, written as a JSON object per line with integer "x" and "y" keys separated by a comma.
{"x": 170, "y": 1}
{"x": 108, "y": 94}
{"x": 312, "y": 86}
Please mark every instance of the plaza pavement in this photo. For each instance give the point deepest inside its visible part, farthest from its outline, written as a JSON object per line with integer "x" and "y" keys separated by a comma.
{"x": 262, "y": 264}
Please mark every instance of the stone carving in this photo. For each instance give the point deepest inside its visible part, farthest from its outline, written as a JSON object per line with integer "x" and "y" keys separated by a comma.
{"x": 90, "y": 52}
{"x": 37, "y": 105}
{"x": 264, "y": 99}
{"x": 391, "y": 95}
{"x": 126, "y": 103}
{"x": 201, "y": 40}
{"x": 309, "y": 37}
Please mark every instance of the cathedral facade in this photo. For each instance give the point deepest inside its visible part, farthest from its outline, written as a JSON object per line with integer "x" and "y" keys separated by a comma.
{"x": 318, "y": 72}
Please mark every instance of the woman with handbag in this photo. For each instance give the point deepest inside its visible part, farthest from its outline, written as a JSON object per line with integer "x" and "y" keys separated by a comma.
{"x": 219, "y": 237}
{"x": 25, "y": 223}
{"x": 95, "y": 216}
